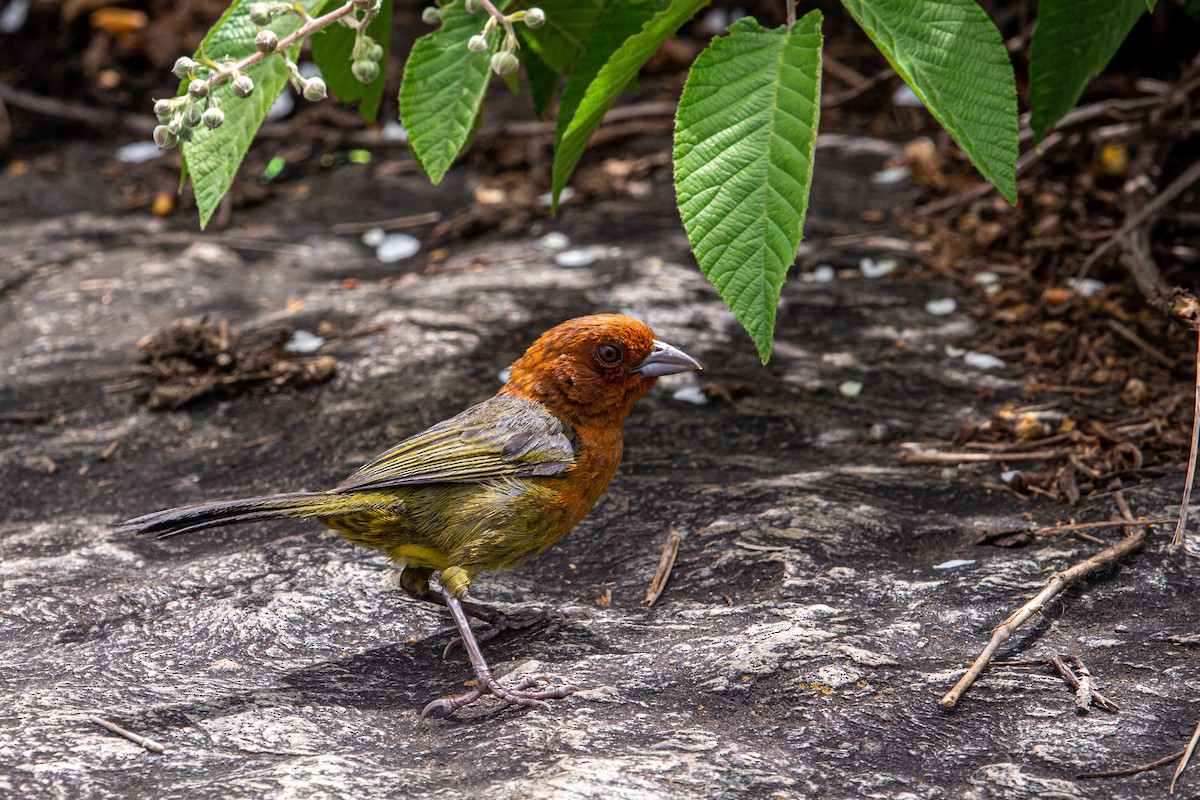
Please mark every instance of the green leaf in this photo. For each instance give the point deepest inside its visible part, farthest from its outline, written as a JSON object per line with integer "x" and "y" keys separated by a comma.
{"x": 953, "y": 58}
{"x": 569, "y": 25}
{"x": 543, "y": 81}
{"x": 331, "y": 51}
{"x": 213, "y": 156}
{"x": 745, "y": 138}
{"x": 442, "y": 91}
{"x": 623, "y": 19}
{"x": 622, "y": 67}
{"x": 1073, "y": 41}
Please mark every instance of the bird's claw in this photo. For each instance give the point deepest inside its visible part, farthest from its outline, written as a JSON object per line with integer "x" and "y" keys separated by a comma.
{"x": 516, "y": 695}
{"x": 517, "y": 620}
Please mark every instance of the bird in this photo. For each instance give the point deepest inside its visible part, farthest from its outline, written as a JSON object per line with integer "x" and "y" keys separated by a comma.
{"x": 486, "y": 489}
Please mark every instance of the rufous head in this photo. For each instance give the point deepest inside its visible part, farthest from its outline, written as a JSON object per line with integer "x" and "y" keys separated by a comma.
{"x": 592, "y": 370}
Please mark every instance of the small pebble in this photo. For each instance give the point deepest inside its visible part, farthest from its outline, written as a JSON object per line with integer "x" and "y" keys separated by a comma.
{"x": 139, "y": 152}
{"x": 905, "y": 97}
{"x": 955, "y": 352}
{"x": 851, "y": 388}
{"x": 575, "y": 258}
{"x": 877, "y": 269}
{"x": 982, "y": 360}
{"x": 374, "y": 237}
{"x": 1086, "y": 287}
{"x": 397, "y": 247}
{"x": 824, "y": 273}
{"x": 393, "y": 131}
{"x": 282, "y": 107}
{"x": 12, "y": 19}
{"x": 955, "y": 563}
{"x": 891, "y": 175}
{"x": 555, "y": 240}
{"x": 504, "y": 374}
{"x": 986, "y": 278}
{"x": 691, "y": 394}
{"x": 566, "y": 194}
{"x": 1008, "y": 475}
{"x": 304, "y": 342}
{"x": 941, "y": 307}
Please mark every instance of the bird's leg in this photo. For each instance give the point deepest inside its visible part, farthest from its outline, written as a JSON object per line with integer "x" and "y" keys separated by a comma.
{"x": 517, "y": 695}
{"x": 415, "y": 582}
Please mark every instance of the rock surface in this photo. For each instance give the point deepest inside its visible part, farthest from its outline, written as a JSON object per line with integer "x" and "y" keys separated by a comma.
{"x": 798, "y": 651}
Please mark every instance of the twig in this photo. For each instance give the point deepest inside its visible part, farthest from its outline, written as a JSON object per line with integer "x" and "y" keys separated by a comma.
{"x": 1117, "y": 773}
{"x": 665, "y": 562}
{"x": 1173, "y": 190}
{"x": 393, "y": 224}
{"x": 936, "y": 457}
{"x": 1186, "y": 500}
{"x": 1135, "y": 536}
{"x": 1083, "y": 526}
{"x": 1083, "y": 684}
{"x": 137, "y": 739}
{"x": 1185, "y": 758}
{"x": 1140, "y": 343}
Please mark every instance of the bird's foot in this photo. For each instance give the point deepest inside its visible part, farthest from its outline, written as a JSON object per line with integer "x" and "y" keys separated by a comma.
{"x": 496, "y": 621}
{"x": 516, "y": 695}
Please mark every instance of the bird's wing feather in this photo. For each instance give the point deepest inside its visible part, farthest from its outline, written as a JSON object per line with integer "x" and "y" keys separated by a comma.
{"x": 504, "y": 437}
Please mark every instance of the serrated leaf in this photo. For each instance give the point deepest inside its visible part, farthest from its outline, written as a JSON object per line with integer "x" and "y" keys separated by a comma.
{"x": 569, "y": 25}
{"x": 622, "y": 19}
{"x": 953, "y": 58}
{"x": 621, "y": 68}
{"x": 442, "y": 91}
{"x": 1073, "y": 41}
{"x": 212, "y": 158}
{"x": 745, "y": 138}
{"x": 331, "y": 49}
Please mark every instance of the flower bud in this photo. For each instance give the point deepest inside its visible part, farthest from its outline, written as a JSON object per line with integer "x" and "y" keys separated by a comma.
{"x": 373, "y": 52}
{"x": 198, "y": 88}
{"x": 504, "y": 63}
{"x": 213, "y": 117}
{"x": 314, "y": 90}
{"x": 477, "y": 44}
{"x": 365, "y": 71}
{"x": 266, "y": 41}
{"x": 471, "y": 6}
{"x": 535, "y": 18}
{"x": 260, "y": 13}
{"x": 431, "y": 15}
{"x": 242, "y": 86}
{"x": 164, "y": 138}
{"x": 164, "y": 109}
{"x": 185, "y": 134}
{"x": 191, "y": 115}
{"x": 183, "y": 67}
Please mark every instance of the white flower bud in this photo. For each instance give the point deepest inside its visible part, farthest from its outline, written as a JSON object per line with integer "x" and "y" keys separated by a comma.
{"x": 504, "y": 63}
{"x": 198, "y": 88}
{"x": 260, "y": 13}
{"x": 314, "y": 90}
{"x": 164, "y": 109}
{"x": 431, "y": 15}
{"x": 185, "y": 134}
{"x": 535, "y": 18}
{"x": 365, "y": 71}
{"x": 266, "y": 41}
{"x": 471, "y": 6}
{"x": 242, "y": 86}
{"x": 373, "y": 52}
{"x": 477, "y": 44}
{"x": 213, "y": 117}
{"x": 191, "y": 115}
{"x": 164, "y": 138}
{"x": 183, "y": 67}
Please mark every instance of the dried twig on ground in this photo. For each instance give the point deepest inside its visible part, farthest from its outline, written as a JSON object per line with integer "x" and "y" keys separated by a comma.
{"x": 1186, "y": 757}
{"x": 1186, "y": 500}
{"x": 665, "y": 562}
{"x": 1149, "y": 765}
{"x": 1135, "y": 536}
{"x": 137, "y": 739}
{"x": 1082, "y": 682}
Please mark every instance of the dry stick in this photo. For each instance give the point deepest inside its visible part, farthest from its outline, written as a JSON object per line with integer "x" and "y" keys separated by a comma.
{"x": 935, "y": 457}
{"x": 1149, "y": 765}
{"x": 1135, "y": 536}
{"x": 1185, "y": 758}
{"x": 665, "y": 562}
{"x": 1184, "y": 501}
{"x": 1173, "y": 190}
{"x": 149, "y": 744}
{"x": 1083, "y": 684}
{"x": 1112, "y": 523}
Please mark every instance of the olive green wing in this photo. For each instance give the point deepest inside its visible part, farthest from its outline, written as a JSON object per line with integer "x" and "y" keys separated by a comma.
{"x": 504, "y": 437}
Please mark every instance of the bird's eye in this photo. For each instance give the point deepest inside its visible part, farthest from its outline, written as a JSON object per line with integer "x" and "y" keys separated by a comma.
{"x": 609, "y": 354}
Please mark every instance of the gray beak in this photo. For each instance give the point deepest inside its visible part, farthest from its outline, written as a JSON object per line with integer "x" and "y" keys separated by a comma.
{"x": 666, "y": 360}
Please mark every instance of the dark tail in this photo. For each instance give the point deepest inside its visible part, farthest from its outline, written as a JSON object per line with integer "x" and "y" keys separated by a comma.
{"x": 187, "y": 519}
